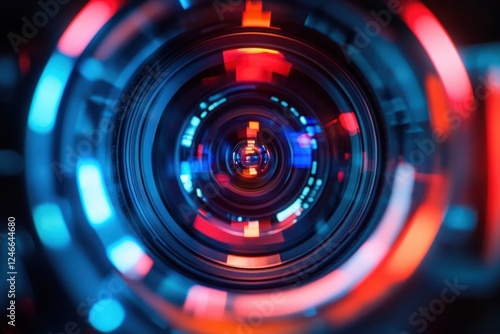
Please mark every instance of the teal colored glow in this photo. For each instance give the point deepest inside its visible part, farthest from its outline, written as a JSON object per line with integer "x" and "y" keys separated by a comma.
{"x": 48, "y": 94}
{"x": 314, "y": 144}
{"x": 185, "y": 168}
{"x": 186, "y": 176}
{"x": 93, "y": 193}
{"x": 51, "y": 226}
{"x": 187, "y": 138}
{"x": 125, "y": 254}
{"x": 187, "y": 141}
{"x": 195, "y": 121}
{"x": 186, "y": 182}
{"x": 217, "y": 104}
{"x": 185, "y": 4}
{"x": 107, "y": 315}
{"x": 461, "y": 218}
{"x": 91, "y": 69}
{"x": 310, "y": 182}
{"x": 292, "y": 209}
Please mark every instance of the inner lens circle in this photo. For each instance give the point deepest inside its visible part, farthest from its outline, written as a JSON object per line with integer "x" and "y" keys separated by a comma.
{"x": 250, "y": 158}
{"x": 250, "y": 174}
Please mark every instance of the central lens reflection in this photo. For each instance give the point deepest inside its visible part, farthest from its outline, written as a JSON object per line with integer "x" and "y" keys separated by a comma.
{"x": 251, "y": 158}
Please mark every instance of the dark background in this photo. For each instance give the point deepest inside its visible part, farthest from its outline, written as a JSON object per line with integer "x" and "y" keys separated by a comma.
{"x": 39, "y": 296}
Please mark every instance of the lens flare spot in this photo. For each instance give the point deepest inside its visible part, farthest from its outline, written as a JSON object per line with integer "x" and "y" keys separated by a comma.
{"x": 95, "y": 199}
{"x": 349, "y": 123}
{"x": 51, "y": 226}
{"x": 304, "y": 141}
{"x": 129, "y": 258}
{"x": 185, "y": 4}
{"x": 107, "y": 315}
{"x": 223, "y": 179}
{"x": 48, "y": 94}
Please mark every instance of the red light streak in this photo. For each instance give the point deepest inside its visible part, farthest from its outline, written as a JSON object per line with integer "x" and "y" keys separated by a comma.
{"x": 493, "y": 149}
{"x": 86, "y": 25}
{"x": 441, "y": 51}
{"x": 403, "y": 260}
{"x": 255, "y": 64}
{"x": 438, "y": 104}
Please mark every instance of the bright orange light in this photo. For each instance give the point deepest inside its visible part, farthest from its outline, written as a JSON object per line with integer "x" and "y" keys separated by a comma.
{"x": 492, "y": 246}
{"x": 253, "y": 16}
{"x": 252, "y": 230}
{"x": 211, "y": 322}
{"x": 259, "y": 51}
{"x": 438, "y": 104}
{"x": 253, "y": 129}
{"x": 441, "y": 51}
{"x": 254, "y": 262}
{"x": 86, "y": 25}
{"x": 254, "y": 125}
{"x": 415, "y": 243}
{"x": 252, "y": 171}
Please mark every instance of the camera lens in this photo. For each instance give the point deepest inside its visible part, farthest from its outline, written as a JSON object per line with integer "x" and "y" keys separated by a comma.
{"x": 221, "y": 156}
{"x": 237, "y": 169}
